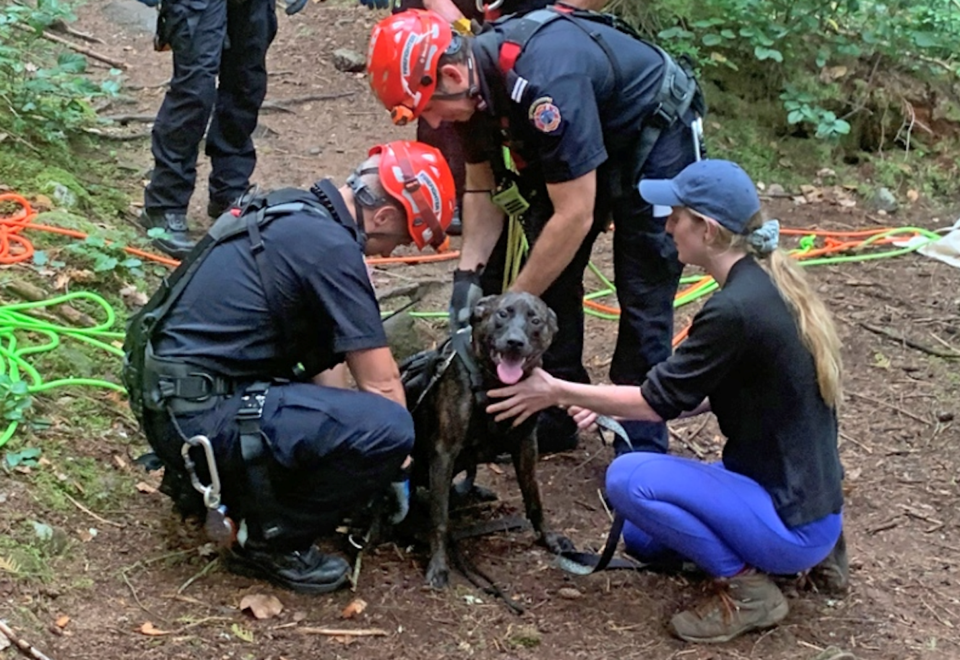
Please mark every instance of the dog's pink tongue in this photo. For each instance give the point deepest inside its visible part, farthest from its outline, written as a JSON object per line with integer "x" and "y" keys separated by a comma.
{"x": 510, "y": 371}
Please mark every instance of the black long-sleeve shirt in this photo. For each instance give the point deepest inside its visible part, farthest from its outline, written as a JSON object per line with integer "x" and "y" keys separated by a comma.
{"x": 745, "y": 353}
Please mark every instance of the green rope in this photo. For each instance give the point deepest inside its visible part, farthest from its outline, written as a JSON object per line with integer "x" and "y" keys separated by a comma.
{"x": 16, "y": 321}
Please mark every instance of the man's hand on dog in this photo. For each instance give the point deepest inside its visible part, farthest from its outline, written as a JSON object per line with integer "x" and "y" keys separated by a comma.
{"x": 531, "y": 395}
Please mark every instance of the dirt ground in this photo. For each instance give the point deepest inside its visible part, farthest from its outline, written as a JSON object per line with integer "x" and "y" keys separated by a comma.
{"x": 899, "y": 445}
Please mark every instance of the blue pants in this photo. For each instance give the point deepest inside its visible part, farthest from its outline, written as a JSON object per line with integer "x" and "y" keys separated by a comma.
{"x": 646, "y": 270}
{"x": 211, "y": 40}
{"x": 720, "y": 520}
{"x": 332, "y": 450}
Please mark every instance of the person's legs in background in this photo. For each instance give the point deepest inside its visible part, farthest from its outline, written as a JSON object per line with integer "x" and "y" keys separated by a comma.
{"x": 646, "y": 272}
{"x": 251, "y": 28}
{"x": 195, "y": 31}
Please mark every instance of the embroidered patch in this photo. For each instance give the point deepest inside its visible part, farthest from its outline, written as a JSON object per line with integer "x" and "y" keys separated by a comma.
{"x": 545, "y": 115}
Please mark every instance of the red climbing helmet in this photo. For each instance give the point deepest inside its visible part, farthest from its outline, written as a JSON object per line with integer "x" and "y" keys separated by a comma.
{"x": 402, "y": 60}
{"x": 417, "y": 175}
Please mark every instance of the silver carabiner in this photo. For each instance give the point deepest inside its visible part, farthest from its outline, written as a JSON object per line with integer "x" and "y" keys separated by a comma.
{"x": 493, "y": 6}
{"x": 696, "y": 127}
{"x": 211, "y": 493}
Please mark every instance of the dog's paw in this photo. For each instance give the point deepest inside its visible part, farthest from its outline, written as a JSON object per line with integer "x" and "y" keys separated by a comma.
{"x": 438, "y": 574}
{"x": 557, "y": 543}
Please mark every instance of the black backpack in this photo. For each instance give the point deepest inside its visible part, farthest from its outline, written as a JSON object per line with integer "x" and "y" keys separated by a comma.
{"x": 250, "y": 216}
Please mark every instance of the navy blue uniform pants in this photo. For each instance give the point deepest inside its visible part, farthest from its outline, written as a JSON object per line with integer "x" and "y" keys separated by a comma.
{"x": 225, "y": 40}
{"x": 331, "y": 451}
{"x": 646, "y": 273}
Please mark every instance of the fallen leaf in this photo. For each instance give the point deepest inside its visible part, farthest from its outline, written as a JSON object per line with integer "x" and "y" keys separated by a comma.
{"x": 4, "y": 640}
{"x": 343, "y": 639}
{"x": 823, "y": 172}
{"x": 86, "y": 535}
{"x": 62, "y": 621}
{"x": 569, "y": 593}
{"x": 262, "y": 606}
{"x": 119, "y": 462}
{"x": 496, "y": 469}
{"x": 356, "y": 606}
{"x": 846, "y": 202}
{"x": 149, "y": 629}
{"x": 132, "y": 297}
{"x": 144, "y": 487}
{"x": 913, "y": 195}
{"x": 299, "y": 616}
{"x": 61, "y": 281}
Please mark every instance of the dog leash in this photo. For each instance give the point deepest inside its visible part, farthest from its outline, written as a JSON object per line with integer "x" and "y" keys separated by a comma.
{"x": 469, "y": 570}
{"x": 585, "y": 563}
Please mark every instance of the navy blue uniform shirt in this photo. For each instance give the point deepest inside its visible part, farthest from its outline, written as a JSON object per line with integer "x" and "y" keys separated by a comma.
{"x": 745, "y": 352}
{"x": 222, "y": 321}
{"x": 566, "y": 115}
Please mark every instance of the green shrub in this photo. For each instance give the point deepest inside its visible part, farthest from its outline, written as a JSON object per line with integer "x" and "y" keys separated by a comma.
{"x": 44, "y": 94}
{"x": 809, "y": 53}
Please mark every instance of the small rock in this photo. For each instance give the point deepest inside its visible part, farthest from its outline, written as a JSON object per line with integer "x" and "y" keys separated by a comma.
{"x": 569, "y": 593}
{"x": 64, "y": 196}
{"x": 315, "y": 151}
{"x": 775, "y": 190}
{"x": 945, "y": 417}
{"x": 884, "y": 200}
{"x": 348, "y": 60}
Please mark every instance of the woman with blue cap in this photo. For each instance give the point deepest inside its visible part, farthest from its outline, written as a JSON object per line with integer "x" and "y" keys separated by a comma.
{"x": 764, "y": 356}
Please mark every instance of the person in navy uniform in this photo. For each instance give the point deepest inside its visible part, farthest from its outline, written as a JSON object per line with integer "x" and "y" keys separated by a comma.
{"x": 267, "y": 343}
{"x": 465, "y": 16}
{"x": 586, "y": 110}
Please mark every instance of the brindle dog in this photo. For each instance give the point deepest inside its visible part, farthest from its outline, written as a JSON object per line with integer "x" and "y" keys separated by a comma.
{"x": 455, "y": 433}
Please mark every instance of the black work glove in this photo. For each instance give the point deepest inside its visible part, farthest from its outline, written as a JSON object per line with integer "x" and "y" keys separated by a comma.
{"x": 466, "y": 293}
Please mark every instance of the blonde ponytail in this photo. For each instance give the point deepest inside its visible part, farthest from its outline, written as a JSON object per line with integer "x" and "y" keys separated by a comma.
{"x": 817, "y": 330}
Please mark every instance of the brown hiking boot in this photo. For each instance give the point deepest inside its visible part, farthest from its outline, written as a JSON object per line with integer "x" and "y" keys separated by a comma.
{"x": 832, "y": 575}
{"x": 742, "y": 603}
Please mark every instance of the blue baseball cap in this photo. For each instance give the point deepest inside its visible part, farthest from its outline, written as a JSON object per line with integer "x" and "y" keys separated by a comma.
{"x": 718, "y": 189}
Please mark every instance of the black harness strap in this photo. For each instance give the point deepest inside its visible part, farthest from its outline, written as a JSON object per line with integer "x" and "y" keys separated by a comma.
{"x": 253, "y": 448}
{"x": 678, "y": 90}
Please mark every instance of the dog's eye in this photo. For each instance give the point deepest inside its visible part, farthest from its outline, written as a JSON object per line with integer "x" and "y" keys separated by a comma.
{"x": 535, "y": 321}
{"x": 502, "y": 314}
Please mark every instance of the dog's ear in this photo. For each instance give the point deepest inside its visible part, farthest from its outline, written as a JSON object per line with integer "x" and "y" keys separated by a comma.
{"x": 552, "y": 321}
{"x": 483, "y": 309}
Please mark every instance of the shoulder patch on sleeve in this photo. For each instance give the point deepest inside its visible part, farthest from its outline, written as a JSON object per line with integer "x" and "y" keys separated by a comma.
{"x": 544, "y": 114}
{"x": 519, "y": 87}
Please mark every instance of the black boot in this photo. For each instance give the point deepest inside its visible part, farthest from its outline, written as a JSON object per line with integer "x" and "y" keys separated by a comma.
{"x": 176, "y": 243}
{"x": 217, "y": 208}
{"x": 307, "y": 571}
{"x": 556, "y": 432}
{"x": 832, "y": 575}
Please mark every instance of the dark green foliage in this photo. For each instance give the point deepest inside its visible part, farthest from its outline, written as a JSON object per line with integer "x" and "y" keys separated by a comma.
{"x": 44, "y": 94}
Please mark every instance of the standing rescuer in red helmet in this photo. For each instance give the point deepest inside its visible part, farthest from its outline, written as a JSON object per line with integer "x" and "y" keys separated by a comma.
{"x": 587, "y": 109}
{"x": 246, "y": 361}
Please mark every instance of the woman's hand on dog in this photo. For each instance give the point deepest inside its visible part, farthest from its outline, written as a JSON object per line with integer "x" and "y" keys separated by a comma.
{"x": 534, "y": 393}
